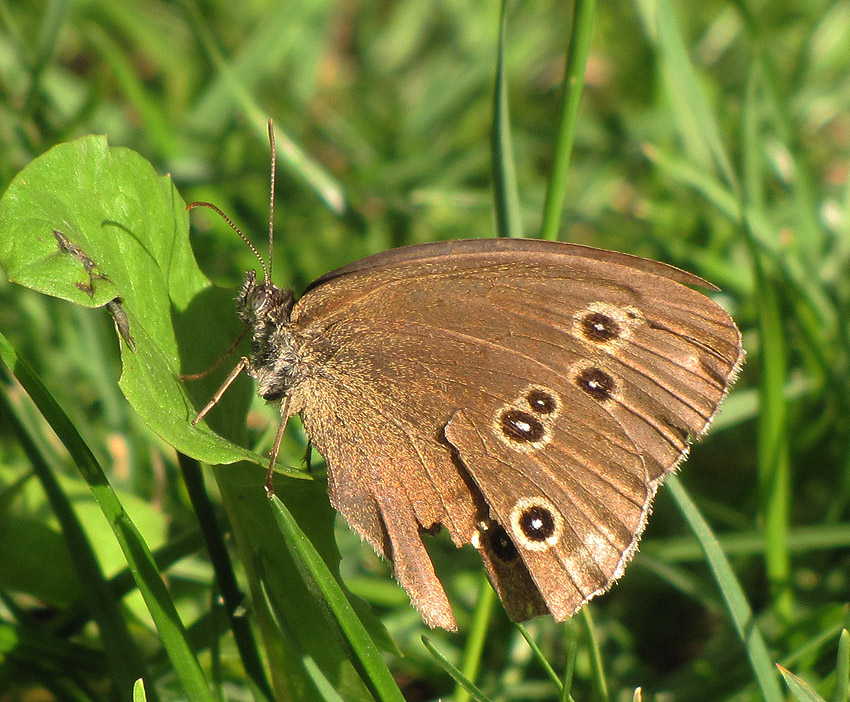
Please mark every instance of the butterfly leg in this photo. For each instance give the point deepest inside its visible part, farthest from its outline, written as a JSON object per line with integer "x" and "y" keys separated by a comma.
{"x": 242, "y": 365}
{"x": 284, "y": 417}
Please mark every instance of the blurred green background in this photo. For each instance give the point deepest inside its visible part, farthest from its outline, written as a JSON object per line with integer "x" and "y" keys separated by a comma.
{"x": 713, "y": 136}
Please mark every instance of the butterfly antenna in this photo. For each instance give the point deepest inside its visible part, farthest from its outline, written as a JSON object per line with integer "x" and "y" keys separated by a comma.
{"x": 271, "y": 199}
{"x": 193, "y": 205}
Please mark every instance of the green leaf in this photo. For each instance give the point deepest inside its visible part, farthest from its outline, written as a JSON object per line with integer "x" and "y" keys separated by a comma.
{"x": 122, "y": 239}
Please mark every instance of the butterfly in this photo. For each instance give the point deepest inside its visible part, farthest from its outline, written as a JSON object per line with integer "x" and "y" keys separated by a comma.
{"x": 527, "y": 396}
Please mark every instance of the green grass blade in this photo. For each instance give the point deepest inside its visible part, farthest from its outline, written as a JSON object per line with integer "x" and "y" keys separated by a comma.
{"x": 474, "y": 648}
{"x": 541, "y": 657}
{"x": 696, "y": 122}
{"x": 773, "y": 451}
{"x": 736, "y": 602}
{"x": 810, "y": 235}
{"x": 147, "y": 576}
{"x": 54, "y": 19}
{"x": 139, "y": 694}
{"x": 231, "y": 593}
{"x": 800, "y": 689}
{"x": 688, "y": 173}
{"x": 295, "y": 159}
{"x": 570, "y": 664}
{"x": 801, "y": 539}
{"x": 505, "y": 193}
{"x": 600, "y": 684}
{"x": 841, "y": 693}
{"x": 122, "y": 655}
{"x": 577, "y": 53}
{"x": 473, "y": 692}
{"x": 313, "y": 569}
{"x": 157, "y": 128}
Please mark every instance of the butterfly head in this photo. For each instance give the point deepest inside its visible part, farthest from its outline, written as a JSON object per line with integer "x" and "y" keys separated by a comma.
{"x": 266, "y": 309}
{"x": 263, "y": 304}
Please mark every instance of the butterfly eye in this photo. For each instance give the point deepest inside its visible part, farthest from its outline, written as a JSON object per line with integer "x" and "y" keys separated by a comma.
{"x": 607, "y": 326}
{"x": 536, "y": 524}
{"x": 501, "y": 544}
{"x": 600, "y": 328}
{"x": 541, "y": 401}
{"x": 596, "y": 383}
{"x": 521, "y": 426}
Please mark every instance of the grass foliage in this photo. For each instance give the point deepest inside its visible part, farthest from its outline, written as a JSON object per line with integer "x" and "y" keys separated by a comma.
{"x": 714, "y": 136}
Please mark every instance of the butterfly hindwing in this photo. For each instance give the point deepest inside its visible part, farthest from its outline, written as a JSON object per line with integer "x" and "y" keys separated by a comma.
{"x": 502, "y": 389}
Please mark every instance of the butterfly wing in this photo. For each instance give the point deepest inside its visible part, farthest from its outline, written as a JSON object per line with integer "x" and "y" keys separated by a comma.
{"x": 525, "y": 395}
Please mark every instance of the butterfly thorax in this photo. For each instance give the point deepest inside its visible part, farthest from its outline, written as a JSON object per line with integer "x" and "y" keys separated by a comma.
{"x": 266, "y": 309}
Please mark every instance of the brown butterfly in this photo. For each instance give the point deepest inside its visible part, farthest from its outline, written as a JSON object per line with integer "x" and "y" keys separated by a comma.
{"x": 527, "y": 396}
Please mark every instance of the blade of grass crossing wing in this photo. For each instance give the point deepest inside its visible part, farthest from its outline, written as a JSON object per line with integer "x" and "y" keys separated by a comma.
{"x": 313, "y": 568}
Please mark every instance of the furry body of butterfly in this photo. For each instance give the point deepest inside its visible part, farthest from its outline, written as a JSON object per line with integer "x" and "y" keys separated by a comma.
{"x": 527, "y": 396}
